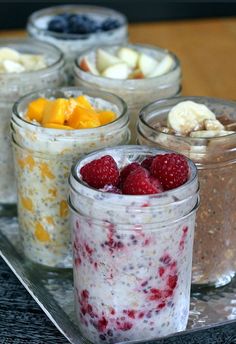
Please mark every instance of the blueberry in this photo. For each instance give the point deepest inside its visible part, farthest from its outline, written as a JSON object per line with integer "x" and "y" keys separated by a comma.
{"x": 58, "y": 24}
{"x": 81, "y": 24}
{"x": 110, "y": 24}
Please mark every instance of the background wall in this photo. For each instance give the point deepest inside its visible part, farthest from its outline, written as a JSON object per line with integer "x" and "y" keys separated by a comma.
{"x": 14, "y": 15}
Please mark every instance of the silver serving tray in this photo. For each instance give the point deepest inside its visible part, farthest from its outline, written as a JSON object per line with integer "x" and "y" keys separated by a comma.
{"x": 53, "y": 291}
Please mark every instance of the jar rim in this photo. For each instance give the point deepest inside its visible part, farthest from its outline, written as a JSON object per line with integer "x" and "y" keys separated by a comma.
{"x": 32, "y": 43}
{"x": 130, "y": 83}
{"x": 165, "y": 101}
{"x": 97, "y": 193}
{"x": 63, "y": 8}
{"x": 83, "y": 90}
{"x": 159, "y": 224}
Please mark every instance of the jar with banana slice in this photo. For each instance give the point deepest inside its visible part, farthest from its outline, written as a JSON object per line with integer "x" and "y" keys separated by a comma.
{"x": 203, "y": 129}
{"x": 25, "y": 66}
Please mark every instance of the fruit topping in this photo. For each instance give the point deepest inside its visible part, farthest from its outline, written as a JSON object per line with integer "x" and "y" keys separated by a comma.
{"x": 139, "y": 182}
{"x": 170, "y": 169}
{"x": 101, "y": 172}
{"x": 80, "y": 24}
{"x": 166, "y": 171}
{"x": 188, "y": 118}
{"x": 126, "y": 63}
{"x": 11, "y": 61}
{"x": 72, "y": 113}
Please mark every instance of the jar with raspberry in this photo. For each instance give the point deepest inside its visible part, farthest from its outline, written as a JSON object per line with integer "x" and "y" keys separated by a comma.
{"x": 132, "y": 216}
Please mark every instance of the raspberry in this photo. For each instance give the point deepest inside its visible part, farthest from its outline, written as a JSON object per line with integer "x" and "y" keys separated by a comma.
{"x": 127, "y": 170}
{"x": 146, "y": 163}
{"x": 100, "y": 172}
{"x": 170, "y": 169}
{"x": 138, "y": 183}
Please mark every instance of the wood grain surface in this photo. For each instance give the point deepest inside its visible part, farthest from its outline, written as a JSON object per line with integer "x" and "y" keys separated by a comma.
{"x": 207, "y": 51}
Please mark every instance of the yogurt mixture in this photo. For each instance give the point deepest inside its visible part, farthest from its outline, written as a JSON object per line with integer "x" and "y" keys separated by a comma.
{"x": 204, "y": 130}
{"x": 139, "y": 74}
{"x": 33, "y": 63}
{"x": 43, "y": 158}
{"x": 132, "y": 256}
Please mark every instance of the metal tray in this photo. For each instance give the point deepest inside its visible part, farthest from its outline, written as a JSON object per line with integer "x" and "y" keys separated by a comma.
{"x": 212, "y": 316}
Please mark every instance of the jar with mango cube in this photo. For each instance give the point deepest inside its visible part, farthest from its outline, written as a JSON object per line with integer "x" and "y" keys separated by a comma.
{"x": 50, "y": 130}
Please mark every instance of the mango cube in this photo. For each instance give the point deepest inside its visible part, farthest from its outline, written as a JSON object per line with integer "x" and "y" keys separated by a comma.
{"x": 55, "y": 111}
{"x": 83, "y": 102}
{"x": 106, "y": 116}
{"x": 35, "y": 109}
{"x": 84, "y": 119}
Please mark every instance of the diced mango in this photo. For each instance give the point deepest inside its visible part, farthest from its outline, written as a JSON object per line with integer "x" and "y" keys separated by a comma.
{"x": 72, "y": 103}
{"x": 107, "y": 116}
{"x": 55, "y": 111}
{"x": 40, "y": 233}
{"x": 84, "y": 102}
{"x": 45, "y": 171}
{"x": 84, "y": 119}
{"x": 63, "y": 209}
{"x": 57, "y": 126}
{"x": 35, "y": 109}
{"x": 27, "y": 203}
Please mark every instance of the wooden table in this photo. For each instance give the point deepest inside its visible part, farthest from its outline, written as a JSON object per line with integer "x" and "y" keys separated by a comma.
{"x": 207, "y": 51}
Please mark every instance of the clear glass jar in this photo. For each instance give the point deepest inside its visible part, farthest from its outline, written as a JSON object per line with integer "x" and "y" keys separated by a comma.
{"x": 43, "y": 158}
{"x": 132, "y": 255}
{"x": 136, "y": 92}
{"x": 14, "y": 85}
{"x": 73, "y": 44}
{"x": 214, "y": 257}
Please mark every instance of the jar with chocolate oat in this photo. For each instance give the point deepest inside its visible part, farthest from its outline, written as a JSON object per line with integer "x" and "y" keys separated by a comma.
{"x": 203, "y": 129}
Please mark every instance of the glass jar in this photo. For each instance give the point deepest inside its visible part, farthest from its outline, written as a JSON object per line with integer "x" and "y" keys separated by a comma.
{"x": 73, "y": 44}
{"x": 135, "y": 92}
{"x": 14, "y": 85}
{"x": 214, "y": 254}
{"x": 43, "y": 158}
{"x": 132, "y": 255}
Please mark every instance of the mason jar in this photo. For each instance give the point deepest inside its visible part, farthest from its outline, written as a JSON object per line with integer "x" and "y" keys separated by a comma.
{"x": 73, "y": 44}
{"x": 132, "y": 255}
{"x": 14, "y": 85}
{"x": 43, "y": 157}
{"x": 214, "y": 254}
{"x": 135, "y": 92}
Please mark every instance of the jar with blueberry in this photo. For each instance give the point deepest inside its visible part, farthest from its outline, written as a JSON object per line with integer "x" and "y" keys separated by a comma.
{"x": 75, "y": 28}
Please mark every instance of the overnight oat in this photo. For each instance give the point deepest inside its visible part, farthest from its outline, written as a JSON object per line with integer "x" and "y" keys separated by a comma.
{"x": 132, "y": 217}
{"x": 137, "y": 73}
{"x": 75, "y": 28}
{"x": 24, "y": 66}
{"x": 50, "y": 129}
{"x": 203, "y": 129}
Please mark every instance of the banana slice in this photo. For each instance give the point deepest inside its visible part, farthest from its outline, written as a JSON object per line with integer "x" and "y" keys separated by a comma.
{"x": 9, "y": 54}
{"x": 32, "y": 62}
{"x": 12, "y": 67}
{"x": 210, "y": 133}
{"x": 188, "y": 116}
{"x": 163, "y": 67}
{"x": 213, "y": 124}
